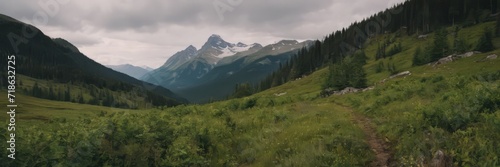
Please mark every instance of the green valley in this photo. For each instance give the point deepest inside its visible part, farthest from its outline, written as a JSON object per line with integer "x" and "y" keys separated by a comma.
{"x": 452, "y": 108}
{"x": 417, "y": 84}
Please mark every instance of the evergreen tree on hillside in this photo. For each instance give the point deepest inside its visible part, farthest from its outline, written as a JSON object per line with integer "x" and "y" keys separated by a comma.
{"x": 391, "y": 67}
{"x": 347, "y": 73}
{"x": 380, "y": 52}
{"x": 242, "y": 90}
{"x": 484, "y": 44}
{"x": 417, "y": 57}
{"x": 395, "y": 49}
{"x": 36, "y": 91}
{"x": 497, "y": 27}
{"x": 336, "y": 77}
{"x": 440, "y": 46}
{"x": 459, "y": 45}
{"x": 380, "y": 67}
{"x": 67, "y": 94}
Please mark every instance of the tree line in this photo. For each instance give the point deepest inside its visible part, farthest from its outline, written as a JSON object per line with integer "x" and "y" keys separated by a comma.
{"x": 99, "y": 97}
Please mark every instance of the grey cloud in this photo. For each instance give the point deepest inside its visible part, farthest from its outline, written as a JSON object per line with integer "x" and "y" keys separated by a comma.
{"x": 170, "y": 26}
{"x": 84, "y": 41}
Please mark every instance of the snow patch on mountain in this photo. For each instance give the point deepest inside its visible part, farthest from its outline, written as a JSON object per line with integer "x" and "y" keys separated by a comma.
{"x": 226, "y": 52}
{"x": 223, "y": 48}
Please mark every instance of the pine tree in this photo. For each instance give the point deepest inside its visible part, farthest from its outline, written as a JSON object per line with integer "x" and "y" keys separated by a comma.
{"x": 80, "y": 99}
{"x": 242, "y": 90}
{"x": 67, "y": 94}
{"x": 358, "y": 76}
{"x": 459, "y": 45}
{"x": 417, "y": 59}
{"x": 347, "y": 73}
{"x": 380, "y": 67}
{"x": 392, "y": 68}
{"x": 440, "y": 47}
{"x": 380, "y": 52}
{"x": 484, "y": 44}
{"x": 51, "y": 95}
{"x": 497, "y": 27}
{"x": 36, "y": 91}
{"x": 337, "y": 77}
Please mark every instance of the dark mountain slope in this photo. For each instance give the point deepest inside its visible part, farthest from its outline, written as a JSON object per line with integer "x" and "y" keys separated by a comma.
{"x": 220, "y": 82}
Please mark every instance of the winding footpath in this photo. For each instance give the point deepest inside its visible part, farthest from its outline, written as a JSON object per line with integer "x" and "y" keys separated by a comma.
{"x": 377, "y": 145}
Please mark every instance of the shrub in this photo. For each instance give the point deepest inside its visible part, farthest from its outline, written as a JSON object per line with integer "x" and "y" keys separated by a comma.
{"x": 484, "y": 44}
{"x": 380, "y": 67}
{"x": 249, "y": 103}
{"x": 233, "y": 105}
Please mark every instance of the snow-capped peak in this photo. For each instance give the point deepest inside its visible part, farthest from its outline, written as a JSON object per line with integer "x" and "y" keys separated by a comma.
{"x": 215, "y": 41}
{"x": 240, "y": 47}
{"x": 224, "y": 49}
{"x": 215, "y": 36}
{"x": 239, "y": 44}
{"x": 287, "y": 42}
{"x": 217, "y": 48}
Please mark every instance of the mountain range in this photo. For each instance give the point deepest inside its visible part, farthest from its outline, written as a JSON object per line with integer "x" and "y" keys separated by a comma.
{"x": 210, "y": 73}
{"x": 198, "y": 75}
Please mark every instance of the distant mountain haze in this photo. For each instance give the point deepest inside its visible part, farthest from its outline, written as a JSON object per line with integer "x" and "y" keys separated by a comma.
{"x": 133, "y": 71}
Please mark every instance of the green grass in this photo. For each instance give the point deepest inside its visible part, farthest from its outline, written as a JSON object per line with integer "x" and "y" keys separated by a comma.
{"x": 447, "y": 108}
{"x": 32, "y": 111}
{"x": 436, "y": 108}
{"x": 301, "y": 134}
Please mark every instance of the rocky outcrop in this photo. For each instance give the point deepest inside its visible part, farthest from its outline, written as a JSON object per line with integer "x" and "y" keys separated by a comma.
{"x": 445, "y": 60}
{"x": 330, "y": 91}
{"x": 488, "y": 58}
{"x": 492, "y": 57}
{"x": 280, "y": 94}
{"x": 398, "y": 75}
{"x": 453, "y": 57}
{"x": 468, "y": 54}
{"x": 440, "y": 159}
{"x": 422, "y": 36}
{"x": 348, "y": 90}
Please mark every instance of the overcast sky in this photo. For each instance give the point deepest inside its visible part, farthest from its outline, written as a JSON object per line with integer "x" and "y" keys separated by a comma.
{"x": 148, "y": 32}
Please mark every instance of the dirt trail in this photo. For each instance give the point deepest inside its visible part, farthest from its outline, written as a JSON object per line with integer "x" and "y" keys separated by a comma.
{"x": 378, "y": 145}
